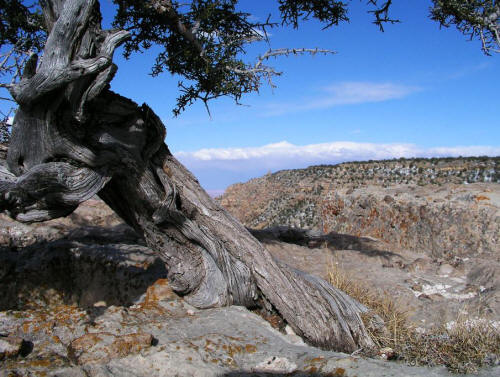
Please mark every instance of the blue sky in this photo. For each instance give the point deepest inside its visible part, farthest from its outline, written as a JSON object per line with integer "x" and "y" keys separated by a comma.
{"x": 414, "y": 90}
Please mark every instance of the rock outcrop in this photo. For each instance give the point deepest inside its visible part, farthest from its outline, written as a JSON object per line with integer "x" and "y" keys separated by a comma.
{"x": 452, "y": 220}
{"x": 433, "y": 291}
{"x": 83, "y": 296}
{"x": 421, "y": 206}
{"x": 94, "y": 301}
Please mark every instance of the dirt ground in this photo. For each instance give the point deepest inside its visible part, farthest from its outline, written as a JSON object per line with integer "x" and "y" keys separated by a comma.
{"x": 435, "y": 291}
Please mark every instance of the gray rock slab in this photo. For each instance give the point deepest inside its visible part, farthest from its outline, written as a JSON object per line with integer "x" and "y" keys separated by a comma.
{"x": 91, "y": 309}
{"x": 229, "y": 341}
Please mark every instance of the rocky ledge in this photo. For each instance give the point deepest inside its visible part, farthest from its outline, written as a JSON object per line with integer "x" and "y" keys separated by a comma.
{"x": 80, "y": 300}
{"x": 439, "y": 220}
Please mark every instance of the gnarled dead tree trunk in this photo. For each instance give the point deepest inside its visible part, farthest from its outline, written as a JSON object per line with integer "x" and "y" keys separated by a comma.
{"x": 73, "y": 138}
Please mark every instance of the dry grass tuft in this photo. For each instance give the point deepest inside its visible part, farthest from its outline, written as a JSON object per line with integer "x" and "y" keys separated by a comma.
{"x": 463, "y": 347}
{"x": 384, "y": 305}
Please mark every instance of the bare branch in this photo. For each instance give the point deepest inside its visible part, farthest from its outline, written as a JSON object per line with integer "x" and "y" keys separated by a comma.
{"x": 290, "y": 51}
{"x": 5, "y": 59}
{"x": 268, "y": 71}
{"x": 476, "y": 19}
{"x": 12, "y": 64}
{"x": 56, "y": 69}
{"x": 166, "y": 6}
{"x": 48, "y": 191}
{"x": 382, "y": 14}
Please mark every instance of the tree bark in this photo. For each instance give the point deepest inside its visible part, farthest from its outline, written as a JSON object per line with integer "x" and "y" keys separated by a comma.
{"x": 73, "y": 138}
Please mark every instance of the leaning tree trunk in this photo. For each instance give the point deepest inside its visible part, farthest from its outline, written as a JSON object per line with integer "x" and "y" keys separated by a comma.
{"x": 74, "y": 138}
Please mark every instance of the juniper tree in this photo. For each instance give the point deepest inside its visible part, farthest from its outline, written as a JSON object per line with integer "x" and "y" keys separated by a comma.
{"x": 73, "y": 138}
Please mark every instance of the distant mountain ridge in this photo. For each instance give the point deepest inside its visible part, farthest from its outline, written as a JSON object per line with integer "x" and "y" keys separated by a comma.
{"x": 419, "y": 171}
{"x": 437, "y": 205}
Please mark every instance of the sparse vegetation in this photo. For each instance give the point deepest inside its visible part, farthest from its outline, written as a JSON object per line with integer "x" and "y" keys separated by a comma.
{"x": 463, "y": 346}
{"x": 299, "y": 197}
{"x": 4, "y": 132}
{"x": 420, "y": 171}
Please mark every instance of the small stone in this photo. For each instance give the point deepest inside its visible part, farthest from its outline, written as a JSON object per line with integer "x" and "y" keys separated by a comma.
{"x": 436, "y": 297}
{"x": 276, "y": 365}
{"x": 492, "y": 359}
{"x": 423, "y": 296}
{"x": 419, "y": 264}
{"x": 445, "y": 269}
{"x": 289, "y": 330}
{"x": 159, "y": 291}
{"x": 295, "y": 339}
{"x": 313, "y": 244}
{"x": 101, "y": 347}
{"x": 388, "y": 199}
{"x": 292, "y": 337}
{"x": 386, "y": 353}
{"x": 420, "y": 330}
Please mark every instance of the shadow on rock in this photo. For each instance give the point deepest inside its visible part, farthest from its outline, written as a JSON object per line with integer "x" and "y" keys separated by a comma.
{"x": 315, "y": 239}
{"x": 92, "y": 267}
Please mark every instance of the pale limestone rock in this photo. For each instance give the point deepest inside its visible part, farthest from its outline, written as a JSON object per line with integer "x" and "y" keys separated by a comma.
{"x": 276, "y": 364}
{"x": 445, "y": 269}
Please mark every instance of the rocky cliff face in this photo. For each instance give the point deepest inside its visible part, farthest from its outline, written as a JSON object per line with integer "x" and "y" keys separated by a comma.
{"x": 421, "y": 205}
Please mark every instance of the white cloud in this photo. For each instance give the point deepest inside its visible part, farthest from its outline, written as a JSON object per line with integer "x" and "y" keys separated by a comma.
{"x": 343, "y": 150}
{"x": 468, "y": 70}
{"x": 475, "y": 150}
{"x": 346, "y": 93}
{"x": 219, "y": 167}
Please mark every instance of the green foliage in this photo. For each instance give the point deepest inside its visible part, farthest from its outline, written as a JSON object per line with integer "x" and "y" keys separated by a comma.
{"x": 200, "y": 42}
{"x": 473, "y": 18}
{"x": 329, "y": 12}
{"x": 205, "y": 41}
{"x": 21, "y": 26}
{"x": 21, "y": 34}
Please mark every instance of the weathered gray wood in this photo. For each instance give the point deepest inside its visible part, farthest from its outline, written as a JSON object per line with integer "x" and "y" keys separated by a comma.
{"x": 48, "y": 191}
{"x": 72, "y": 137}
{"x": 61, "y": 64}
